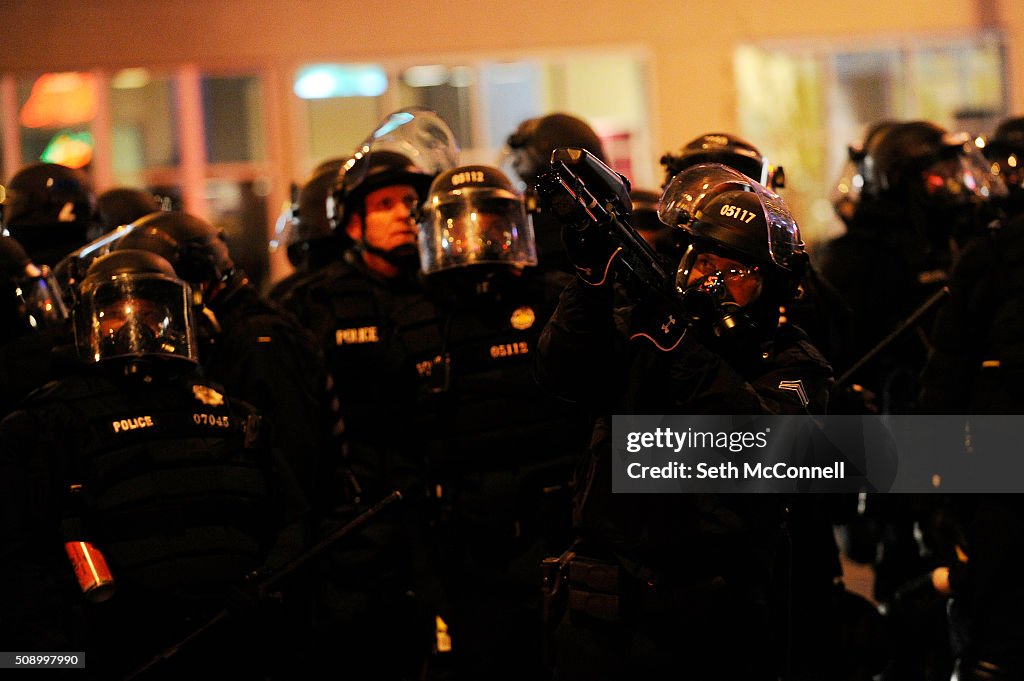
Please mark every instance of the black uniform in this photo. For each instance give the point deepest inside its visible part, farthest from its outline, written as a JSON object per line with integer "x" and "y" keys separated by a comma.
{"x": 173, "y": 483}
{"x": 884, "y": 270}
{"x": 696, "y": 570}
{"x": 925, "y": 192}
{"x": 977, "y": 357}
{"x": 368, "y": 598}
{"x": 499, "y": 453}
{"x": 262, "y": 355}
{"x": 975, "y": 368}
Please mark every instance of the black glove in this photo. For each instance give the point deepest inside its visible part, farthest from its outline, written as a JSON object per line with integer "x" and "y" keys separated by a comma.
{"x": 591, "y": 253}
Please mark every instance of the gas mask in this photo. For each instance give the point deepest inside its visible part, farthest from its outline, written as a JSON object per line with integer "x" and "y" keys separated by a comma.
{"x": 714, "y": 290}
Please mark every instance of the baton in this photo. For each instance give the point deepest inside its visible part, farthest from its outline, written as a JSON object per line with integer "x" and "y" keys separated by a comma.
{"x": 287, "y": 570}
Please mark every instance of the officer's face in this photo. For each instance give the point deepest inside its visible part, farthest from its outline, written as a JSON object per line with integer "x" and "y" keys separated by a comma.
{"x": 145, "y": 312}
{"x": 389, "y": 217}
{"x": 742, "y": 281}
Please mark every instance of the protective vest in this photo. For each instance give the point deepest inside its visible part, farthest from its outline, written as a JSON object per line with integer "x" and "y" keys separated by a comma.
{"x": 171, "y": 481}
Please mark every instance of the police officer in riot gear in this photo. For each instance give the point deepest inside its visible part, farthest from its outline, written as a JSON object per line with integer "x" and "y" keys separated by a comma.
{"x": 157, "y": 470}
{"x": 33, "y": 322}
{"x": 362, "y": 310}
{"x": 925, "y": 192}
{"x": 252, "y": 347}
{"x": 923, "y": 195}
{"x": 48, "y": 210}
{"x": 973, "y": 367}
{"x": 498, "y": 451}
{"x": 680, "y": 584}
{"x": 527, "y": 153}
{"x": 818, "y": 308}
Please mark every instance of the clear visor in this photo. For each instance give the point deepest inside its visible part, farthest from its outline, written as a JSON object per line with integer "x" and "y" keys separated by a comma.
{"x": 687, "y": 193}
{"x": 522, "y": 166}
{"x": 285, "y": 227}
{"x": 418, "y": 134}
{"x": 133, "y": 315}
{"x": 72, "y": 268}
{"x": 964, "y": 178}
{"x": 476, "y": 227}
{"x": 41, "y": 302}
{"x": 846, "y": 193}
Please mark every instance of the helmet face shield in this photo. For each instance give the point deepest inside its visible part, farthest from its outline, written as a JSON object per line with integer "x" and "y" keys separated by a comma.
{"x": 475, "y": 226}
{"x": 846, "y": 193}
{"x": 418, "y": 134}
{"x": 713, "y": 202}
{"x": 134, "y": 315}
{"x": 521, "y": 165}
{"x": 962, "y": 178}
{"x": 1007, "y": 163}
{"x": 41, "y": 303}
{"x": 411, "y": 146}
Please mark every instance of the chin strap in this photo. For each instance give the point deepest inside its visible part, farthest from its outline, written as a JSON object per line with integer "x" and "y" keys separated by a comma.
{"x": 405, "y": 258}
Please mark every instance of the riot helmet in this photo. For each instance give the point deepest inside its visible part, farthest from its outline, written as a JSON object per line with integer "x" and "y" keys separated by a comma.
{"x": 31, "y": 299}
{"x": 474, "y": 217}
{"x": 48, "y": 210}
{"x": 305, "y": 224}
{"x": 134, "y": 307}
{"x": 408, "y": 149}
{"x": 410, "y": 146}
{"x": 197, "y": 250}
{"x": 918, "y": 166}
{"x": 729, "y": 150}
{"x": 121, "y": 206}
{"x": 744, "y": 256}
{"x": 527, "y": 152}
{"x": 1005, "y": 154}
{"x": 527, "y": 155}
{"x": 846, "y": 193}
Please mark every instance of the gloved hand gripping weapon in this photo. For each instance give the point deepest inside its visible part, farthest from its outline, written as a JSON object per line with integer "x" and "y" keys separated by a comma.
{"x": 592, "y": 202}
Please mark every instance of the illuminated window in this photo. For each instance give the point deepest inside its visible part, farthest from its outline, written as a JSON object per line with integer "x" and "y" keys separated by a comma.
{"x": 144, "y": 128}
{"x": 324, "y": 81}
{"x": 55, "y": 113}
{"x": 832, "y": 94}
{"x": 233, "y": 112}
{"x": 483, "y": 101}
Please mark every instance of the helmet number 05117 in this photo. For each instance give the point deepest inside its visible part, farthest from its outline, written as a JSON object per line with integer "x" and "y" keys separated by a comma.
{"x": 741, "y": 214}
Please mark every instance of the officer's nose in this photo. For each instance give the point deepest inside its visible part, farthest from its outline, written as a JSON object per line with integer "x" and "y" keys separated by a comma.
{"x": 404, "y": 211}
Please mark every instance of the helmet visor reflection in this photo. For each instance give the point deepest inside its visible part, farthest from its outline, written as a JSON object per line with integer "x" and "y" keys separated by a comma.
{"x": 474, "y": 227}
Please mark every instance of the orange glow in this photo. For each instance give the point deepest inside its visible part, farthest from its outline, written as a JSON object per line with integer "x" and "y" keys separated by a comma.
{"x": 60, "y": 99}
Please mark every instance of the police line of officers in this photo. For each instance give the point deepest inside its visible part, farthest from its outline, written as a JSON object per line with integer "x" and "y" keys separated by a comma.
{"x": 177, "y": 447}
